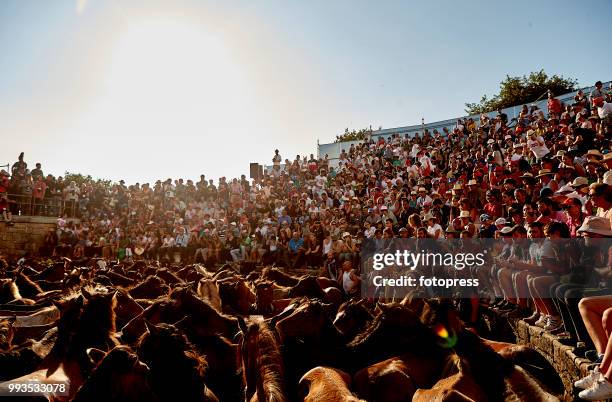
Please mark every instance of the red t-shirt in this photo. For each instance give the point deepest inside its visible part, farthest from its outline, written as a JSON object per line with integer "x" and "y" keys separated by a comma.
{"x": 38, "y": 190}
{"x": 493, "y": 209}
{"x": 4, "y": 184}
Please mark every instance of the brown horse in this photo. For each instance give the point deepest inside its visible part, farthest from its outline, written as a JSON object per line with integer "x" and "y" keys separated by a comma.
{"x": 352, "y": 318}
{"x": 127, "y": 308}
{"x": 9, "y": 293}
{"x": 262, "y": 364}
{"x": 28, "y": 288}
{"x": 207, "y": 321}
{"x": 236, "y": 296}
{"x": 457, "y": 384}
{"x": 177, "y": 370}
{"x": 150, "y": 288}
{"x": 209, "y": 290}
{"x": 7, "y": 332}
{"x": 86, "y": 321}
{"x": 224, "y": 374}
{"x": 279, "y": 277}
{"x": 119, "y": 376}
{"x": 326, "y": 384}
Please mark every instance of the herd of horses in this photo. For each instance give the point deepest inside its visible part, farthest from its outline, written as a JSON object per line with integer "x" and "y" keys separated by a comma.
{"x": 141, "y": 332}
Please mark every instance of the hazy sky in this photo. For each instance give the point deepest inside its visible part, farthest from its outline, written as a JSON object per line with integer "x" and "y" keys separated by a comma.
{"x": 145, "y": 90}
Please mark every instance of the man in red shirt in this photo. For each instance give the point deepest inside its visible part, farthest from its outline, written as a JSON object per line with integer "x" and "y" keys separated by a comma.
{"x": 4, "y": 208}
{"x": 4, "y": 182}
{"x": 554, "y": 106}
{"x": 38, "y": 194}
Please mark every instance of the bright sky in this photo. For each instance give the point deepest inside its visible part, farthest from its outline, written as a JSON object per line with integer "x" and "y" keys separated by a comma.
{"x": 146, "y": 90}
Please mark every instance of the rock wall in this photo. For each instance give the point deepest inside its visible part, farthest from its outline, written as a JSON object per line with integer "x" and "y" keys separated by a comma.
{"x": 27, "y": 234}
{"x": 569, "y": 366}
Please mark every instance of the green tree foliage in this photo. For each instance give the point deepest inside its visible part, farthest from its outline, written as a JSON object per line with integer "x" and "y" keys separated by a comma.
{"x": 82, "y": 179}
{"x": 518, "y": 90}
{"x": 354, "y": 135}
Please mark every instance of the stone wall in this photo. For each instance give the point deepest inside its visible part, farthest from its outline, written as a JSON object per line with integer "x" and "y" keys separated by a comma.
{"x": 569, "y": 366}
{"x": 27, "y": 234}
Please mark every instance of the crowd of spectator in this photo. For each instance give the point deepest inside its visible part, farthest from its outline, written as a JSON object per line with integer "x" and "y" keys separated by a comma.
{"x": 541, "y": 176}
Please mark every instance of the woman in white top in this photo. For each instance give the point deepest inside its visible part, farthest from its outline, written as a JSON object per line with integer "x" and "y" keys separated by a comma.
{"x": 434, "y": 230}
{"x": 328, "y": 243}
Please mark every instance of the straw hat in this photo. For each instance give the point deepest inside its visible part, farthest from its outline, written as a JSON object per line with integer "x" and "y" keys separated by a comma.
{"x": 596, "y": 224}
{"x": 594, "y": 153}
{"x": 580, "y": 182}
{"x": 544, "y": 172}
{"x": 559, "y": 154}
{"x": 472, "y": 183}
{"x": 565, "y": 189}
{"x": 427, "y": 217}
{"x": 465, "y": 214}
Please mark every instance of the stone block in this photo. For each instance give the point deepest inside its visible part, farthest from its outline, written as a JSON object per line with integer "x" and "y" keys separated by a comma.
{"x": 546, "y": 344}
{"x": 522, "y": 330}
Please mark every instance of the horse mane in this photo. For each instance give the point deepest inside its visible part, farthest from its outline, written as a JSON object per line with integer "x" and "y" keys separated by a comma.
{"x": 370, "y": 329}
{"x": 520, "y": 386}
{"x": 269, "y": 364}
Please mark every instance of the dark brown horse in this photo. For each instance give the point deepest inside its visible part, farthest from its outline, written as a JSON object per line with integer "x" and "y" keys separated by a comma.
{"x": 151, "y": 288}
{"x": 118, "y": 376}
{"x": 279, "y": 277}
{"x": 352, "y": 318}
{"x": 177, "y": 370}
{"x": 224, "y": 374}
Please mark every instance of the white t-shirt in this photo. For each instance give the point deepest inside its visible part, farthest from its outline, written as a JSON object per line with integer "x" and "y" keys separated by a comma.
{"x": 431, "y": 230}
{"x": 605, "y": 110}
{"x": 535, "y": 146}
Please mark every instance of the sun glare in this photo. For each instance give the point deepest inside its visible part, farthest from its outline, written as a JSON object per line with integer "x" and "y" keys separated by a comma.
{"x": 172, "y": 67}
{"x": 168, "y": 79}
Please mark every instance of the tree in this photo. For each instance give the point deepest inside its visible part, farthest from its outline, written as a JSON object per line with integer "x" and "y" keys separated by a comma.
{"x": 354, "y": 135}
{"x": 80, "y": 179}
{"x": 518, "y": 90}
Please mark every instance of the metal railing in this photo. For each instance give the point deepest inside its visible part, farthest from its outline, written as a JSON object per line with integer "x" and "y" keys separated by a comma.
{"x": 26, "y": 204}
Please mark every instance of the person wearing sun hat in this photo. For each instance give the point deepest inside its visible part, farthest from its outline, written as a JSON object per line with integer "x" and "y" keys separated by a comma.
{"x": 594, "y": 154}
{"x": 600, "y": 194}
{"x": 547, "y": 179}
{"x": 596, "y": 225}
